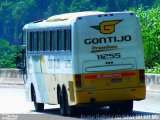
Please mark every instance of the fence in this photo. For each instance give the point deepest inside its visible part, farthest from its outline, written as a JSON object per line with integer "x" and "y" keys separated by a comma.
{"x": 10, "y": 73}
{"x": 11, "y": 76}
{"x": 153, "y": 82}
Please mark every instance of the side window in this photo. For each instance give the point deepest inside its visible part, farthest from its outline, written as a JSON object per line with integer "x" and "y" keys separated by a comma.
{"x": 44, "y": 37}
{"x": 29, "y": 41}
{"x": 68, "y": 39}
{"x": 38, "y": 43}
{"x": 58, "y": 40}
{"x": 38, "y": 39}
{"x": 54, "y": 40}
{"x": 61, "y": 39}
{"x": 65, "y": 32}
{"x": 41, "y": 41}
{"x": 34, "y": 40}
{"x": 47, "y": 40}
{"x": 50, "y": 41}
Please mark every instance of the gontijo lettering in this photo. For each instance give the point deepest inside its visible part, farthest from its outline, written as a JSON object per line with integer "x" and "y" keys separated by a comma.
{"x": 111, "y": 39}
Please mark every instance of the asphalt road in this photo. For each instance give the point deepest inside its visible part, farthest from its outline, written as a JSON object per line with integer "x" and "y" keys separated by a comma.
{"x": 14, "y": 106}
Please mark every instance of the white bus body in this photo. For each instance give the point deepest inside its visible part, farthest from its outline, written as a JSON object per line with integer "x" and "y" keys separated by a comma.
{"x": 90, "y": 58}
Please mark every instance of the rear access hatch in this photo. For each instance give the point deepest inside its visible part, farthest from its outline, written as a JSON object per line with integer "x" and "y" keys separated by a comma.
{"x": 110, "y": 74}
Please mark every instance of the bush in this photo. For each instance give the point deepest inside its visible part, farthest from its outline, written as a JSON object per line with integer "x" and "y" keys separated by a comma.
{"x": 150, "y": 28}
{"x": 7, "y": 54}
{"x": 155, "y": 69}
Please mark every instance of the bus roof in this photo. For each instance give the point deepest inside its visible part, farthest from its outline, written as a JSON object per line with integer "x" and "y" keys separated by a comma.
{"x": 68, "y": 16}
{"x": 59, "y": 20}
{"x": 63, "y": 20}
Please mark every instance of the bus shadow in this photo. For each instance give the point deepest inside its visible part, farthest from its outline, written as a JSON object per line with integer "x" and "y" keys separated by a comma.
{"x": 103, "y": 113}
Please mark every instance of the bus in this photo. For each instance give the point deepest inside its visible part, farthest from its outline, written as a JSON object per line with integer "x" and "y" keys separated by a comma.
{"x": 84, "y": 59}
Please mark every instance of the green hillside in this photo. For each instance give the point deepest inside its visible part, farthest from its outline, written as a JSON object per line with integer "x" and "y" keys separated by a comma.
{"x": 14, "y": 14}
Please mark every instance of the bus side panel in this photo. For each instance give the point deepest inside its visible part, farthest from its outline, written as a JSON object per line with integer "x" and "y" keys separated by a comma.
{"x": 49, "y": 71}
{"x": 37, "y": 78}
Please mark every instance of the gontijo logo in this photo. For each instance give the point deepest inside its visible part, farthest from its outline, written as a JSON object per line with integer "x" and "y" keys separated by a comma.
{"x": 107, "y": 27}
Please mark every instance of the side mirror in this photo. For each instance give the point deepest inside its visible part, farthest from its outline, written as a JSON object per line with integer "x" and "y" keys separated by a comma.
{"x": 20, "y": 58}
{"x": 18, "y": 61}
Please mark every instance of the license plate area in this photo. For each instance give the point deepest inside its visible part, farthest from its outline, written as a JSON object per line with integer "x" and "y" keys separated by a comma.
{"x": 116, "y": 80}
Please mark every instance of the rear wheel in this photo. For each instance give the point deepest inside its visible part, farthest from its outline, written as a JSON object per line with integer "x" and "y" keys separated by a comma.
{"x": 123, "y": 107}
{"x": 65, "y": 109}
{"x": 39, "y": 107}
{"x": 62, "y": 104}
{"x": 127, "y": 107}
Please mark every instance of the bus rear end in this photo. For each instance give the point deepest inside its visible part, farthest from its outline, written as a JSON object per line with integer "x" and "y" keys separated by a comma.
{"x": 108, "y": 60}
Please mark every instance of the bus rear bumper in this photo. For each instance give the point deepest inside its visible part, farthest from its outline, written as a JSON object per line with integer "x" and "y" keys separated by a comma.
{"x": 109, "y": 96}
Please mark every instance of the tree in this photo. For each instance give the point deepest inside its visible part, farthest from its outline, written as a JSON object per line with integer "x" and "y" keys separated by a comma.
{"x": 7, "y": 54}
{"x": 150, "y": 25}
{"x": 14, "y": 14}
{"x": 156, "y": 3}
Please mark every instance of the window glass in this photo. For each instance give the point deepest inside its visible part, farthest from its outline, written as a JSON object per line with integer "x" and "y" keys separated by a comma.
{"x": 50, "y": 41}
{"x": 31, "y": 41}
{"x": 44, "y": 39}
{"x": 38, "y": 41}
{"x": 28, "y": 41}
{"x": 41, "y": 41}
{"x": 54, "y": 40}
{"x": 68, "y": 39}
{"x": 65, "y": 32}
{"x": 61, "y": 39}
{"x": 47, "y": 40}
{"x": 58, "y": 42}
{"x": 34, "y": 41}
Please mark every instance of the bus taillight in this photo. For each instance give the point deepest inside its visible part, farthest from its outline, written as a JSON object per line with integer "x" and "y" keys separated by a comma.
{"x": 141, "y": 76}
{"x": 78, "y": 81}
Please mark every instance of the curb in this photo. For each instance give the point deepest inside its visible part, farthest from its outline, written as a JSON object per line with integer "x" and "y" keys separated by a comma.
{"x": 12, "y": 81}
{"x": 152, "y": 82}
{"x": 11, "y": 86}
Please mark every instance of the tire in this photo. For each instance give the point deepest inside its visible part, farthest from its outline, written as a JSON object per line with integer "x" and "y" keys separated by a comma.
{"x": 114, "y": 108}
{"x": 65, "y": 109}
{"x": 39, "y": 107}
{"x": 122, "y": 108}
{"x": 127, "y": 107}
